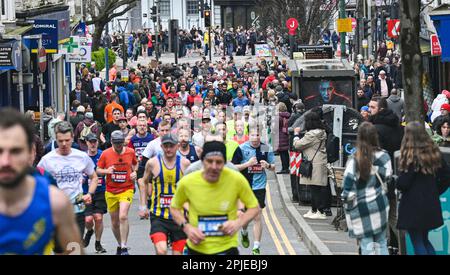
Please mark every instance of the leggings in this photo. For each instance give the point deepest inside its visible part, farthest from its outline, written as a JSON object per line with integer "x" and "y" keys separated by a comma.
{"x": 419, "y": 239}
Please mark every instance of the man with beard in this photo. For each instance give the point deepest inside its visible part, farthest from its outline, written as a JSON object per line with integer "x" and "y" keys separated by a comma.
{"x": 163, "y": 182}
{"x": 31, "y": 211}
{"x": 186, "y": 149}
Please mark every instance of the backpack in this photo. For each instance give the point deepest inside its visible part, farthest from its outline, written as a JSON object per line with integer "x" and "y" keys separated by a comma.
{"x": 144, "y": 39}
{"x": 332, "y": 147}
{"x": 86, "y": 130}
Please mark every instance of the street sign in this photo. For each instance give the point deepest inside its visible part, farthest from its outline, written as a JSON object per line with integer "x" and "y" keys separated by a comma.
{"x": 292, "y": 25}
{"x": 365, "y": 44}
{"x": 393, "y": 28}
{"x": 10, "y": 56}
{"x": 344, "y": 25}
{"x": 262, "y": 50}
{"x": 49, "y": 31}
{"x": 124, "y": 75}
{"x": 42, "y": 60}
{"x": 314, "y": 52}
{"x": 71, "y": 46}
{"x": 436, "y": 48}
{"x": 83, "y": 52}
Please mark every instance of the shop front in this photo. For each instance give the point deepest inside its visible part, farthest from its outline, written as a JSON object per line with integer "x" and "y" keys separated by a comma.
{"x": 236, "y": 13}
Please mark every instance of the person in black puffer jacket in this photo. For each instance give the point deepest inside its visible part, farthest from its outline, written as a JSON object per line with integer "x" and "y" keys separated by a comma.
{"x": 388, "y": 125}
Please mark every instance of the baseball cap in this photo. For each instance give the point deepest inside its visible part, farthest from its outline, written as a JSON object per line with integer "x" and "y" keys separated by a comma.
{"x": 81, "y": 109}
{"x": 117, "y": 137}
{"x": 382, "y": 72}
{"x": 445, "y": 106}
{"x": 169, "y": 138}
{"x": 206, "y": 116}
{"x": 364, "y": 108}
{"x": 246, "y": 109}
{"x": 91, "y": 137}
{"x": 122, "y": 118}
{"x": 279, "y": 88}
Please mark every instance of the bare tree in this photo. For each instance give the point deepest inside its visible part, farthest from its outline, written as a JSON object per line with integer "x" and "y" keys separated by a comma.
{"x": 103, "y": 12}
{"x": 312, "y": 15}
{"x": 411, "y": 59}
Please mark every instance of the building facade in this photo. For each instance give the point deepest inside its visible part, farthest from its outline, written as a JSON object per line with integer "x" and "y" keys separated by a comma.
{"x": 225, "y": 13}
{"x": 21, "y": 19}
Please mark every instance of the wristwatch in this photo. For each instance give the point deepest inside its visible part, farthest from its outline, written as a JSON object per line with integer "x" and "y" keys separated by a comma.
{"x": 183, "y": 225}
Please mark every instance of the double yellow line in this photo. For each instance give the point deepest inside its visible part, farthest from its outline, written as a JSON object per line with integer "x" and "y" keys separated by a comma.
{"x": 280, "y": 230}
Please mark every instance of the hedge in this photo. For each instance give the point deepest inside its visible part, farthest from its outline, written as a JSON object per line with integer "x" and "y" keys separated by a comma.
{"x": 99, "y": 58}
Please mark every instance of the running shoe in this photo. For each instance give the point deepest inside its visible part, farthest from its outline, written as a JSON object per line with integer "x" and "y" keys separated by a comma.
{"x": 99, "y": 248}
{"x": 87, "y": 237}
{"x": 119, "y": 250}
{"x": 124, "y": 251}
{"x": 244, "y": 240}
{"x": 256, "y": 251}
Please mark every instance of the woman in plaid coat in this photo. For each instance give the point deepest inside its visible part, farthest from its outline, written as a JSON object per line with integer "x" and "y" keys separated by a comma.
{"x": 366, "y": 204}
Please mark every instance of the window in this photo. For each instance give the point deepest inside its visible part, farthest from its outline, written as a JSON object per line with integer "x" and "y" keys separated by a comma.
{"x": 164, "y": 7}
{"x": 192, "y": 7}
{"x": 3, "y": 11}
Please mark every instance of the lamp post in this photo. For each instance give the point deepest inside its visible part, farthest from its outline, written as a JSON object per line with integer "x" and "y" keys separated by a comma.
{"x": 123, "y": 23}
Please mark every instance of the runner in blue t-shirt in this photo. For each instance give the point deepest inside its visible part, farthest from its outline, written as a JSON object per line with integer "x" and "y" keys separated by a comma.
{"x": 255, "y": 158}
{"x": 94, "y": 212}
{"x": 139, "y": 141}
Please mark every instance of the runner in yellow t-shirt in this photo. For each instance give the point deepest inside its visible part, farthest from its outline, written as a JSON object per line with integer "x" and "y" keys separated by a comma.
{"x": 212, "y": 194}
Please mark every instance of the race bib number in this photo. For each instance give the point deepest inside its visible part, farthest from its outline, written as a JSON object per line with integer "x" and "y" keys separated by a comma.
{"x": 165, "y": 200}
{"x": 255, "y": 169}
{"x": 119, "y": 177}
{"x": 212, "y": 225}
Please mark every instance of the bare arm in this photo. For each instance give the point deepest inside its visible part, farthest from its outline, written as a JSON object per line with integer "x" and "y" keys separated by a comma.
{"x": 250, "y": 162}
{"x": 102, "y": 138}
{"x": 94, "y": 182}
{"x": 67, "y": 232}
{"x": 143, "y": 182}
{"x": 194, "y": 234}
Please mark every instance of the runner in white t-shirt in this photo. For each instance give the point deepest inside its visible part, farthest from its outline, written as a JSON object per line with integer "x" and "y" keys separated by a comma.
{"x": 68, "y": 166}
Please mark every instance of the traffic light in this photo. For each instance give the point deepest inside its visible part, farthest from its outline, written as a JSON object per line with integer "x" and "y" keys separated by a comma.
{"x": 384, "y": 22}
{"x": 367, "y": 27}
{"x": 154, "y": 14}
{"x": 201, "y": 7}
{"x": 207, "y": 14}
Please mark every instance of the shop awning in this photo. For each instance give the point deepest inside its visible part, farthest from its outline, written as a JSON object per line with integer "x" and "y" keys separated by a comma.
{"x": 20, "y": 30}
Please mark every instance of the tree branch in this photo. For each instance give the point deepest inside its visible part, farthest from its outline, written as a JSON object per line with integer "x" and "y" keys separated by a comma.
{"x": 114, "y": 15}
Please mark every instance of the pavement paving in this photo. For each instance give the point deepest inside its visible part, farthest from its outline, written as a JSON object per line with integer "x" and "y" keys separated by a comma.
{"x": 320, "y": 236}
